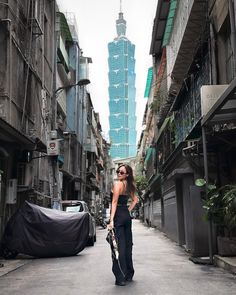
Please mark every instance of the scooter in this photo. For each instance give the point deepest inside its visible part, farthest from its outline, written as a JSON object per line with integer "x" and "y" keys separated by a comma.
{"x": 101, "y": 222}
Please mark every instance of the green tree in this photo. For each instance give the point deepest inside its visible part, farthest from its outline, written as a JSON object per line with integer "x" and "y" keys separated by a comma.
{"x": 141, "y": 184}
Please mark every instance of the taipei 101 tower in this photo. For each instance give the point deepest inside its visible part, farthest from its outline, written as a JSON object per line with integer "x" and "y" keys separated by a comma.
{"x": 122, "y": 105}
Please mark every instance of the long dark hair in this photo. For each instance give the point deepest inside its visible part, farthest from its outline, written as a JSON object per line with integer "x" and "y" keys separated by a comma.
{"x": 130, "y": 178}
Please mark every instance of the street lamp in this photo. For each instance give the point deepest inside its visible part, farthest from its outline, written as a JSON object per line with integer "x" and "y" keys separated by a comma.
{"x": 81, "y": 82}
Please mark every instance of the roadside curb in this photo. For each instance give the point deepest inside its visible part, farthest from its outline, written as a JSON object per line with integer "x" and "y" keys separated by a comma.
{"x": 11, "y": 265}
{"x": 227, "y": 263}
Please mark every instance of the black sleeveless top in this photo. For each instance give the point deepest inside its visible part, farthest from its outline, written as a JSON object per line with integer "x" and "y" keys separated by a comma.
{"x": 123, "y": 200}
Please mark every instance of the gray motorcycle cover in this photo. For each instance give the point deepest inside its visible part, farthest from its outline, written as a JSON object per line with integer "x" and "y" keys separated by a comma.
{"x": 43, "y": 232}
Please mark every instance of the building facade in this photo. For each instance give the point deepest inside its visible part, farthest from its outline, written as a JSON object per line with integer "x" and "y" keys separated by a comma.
{"x": 192, "y": 107}
{"x": 122, "y": 92}
{"x": 85, "y": 152}
{"x": 27, "y": 34}
{"x": 46, "y": 151}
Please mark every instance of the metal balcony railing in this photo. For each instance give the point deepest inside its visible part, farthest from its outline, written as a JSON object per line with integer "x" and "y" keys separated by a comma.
{"x": 150, "y": 162}
{"x": 189, "y": 112}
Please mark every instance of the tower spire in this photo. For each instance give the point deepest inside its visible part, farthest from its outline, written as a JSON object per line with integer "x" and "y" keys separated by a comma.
{"x": 121, "y": 23}
{"x": 121, "y": 6}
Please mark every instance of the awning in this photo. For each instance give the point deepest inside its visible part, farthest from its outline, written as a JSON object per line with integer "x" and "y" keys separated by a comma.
{"x": 224, "y": 109}
{"x": 149, "y": 153}
{"x": 69, "y": 175}
{"x": 180, "y": 172}
{"x": 159, "y": 27}
{"x": 148, "y": 82}
{"x": 14, "y": 136}
{"x": 170, "y": 23}
{"x": 65, "y": 27}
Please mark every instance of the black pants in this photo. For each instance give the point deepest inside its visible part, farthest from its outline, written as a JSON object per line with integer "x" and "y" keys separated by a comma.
{"x": 123, "y": 267}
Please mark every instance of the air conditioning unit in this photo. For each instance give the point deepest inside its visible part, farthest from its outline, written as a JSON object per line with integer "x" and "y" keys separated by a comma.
{"x": 11, "y": 191}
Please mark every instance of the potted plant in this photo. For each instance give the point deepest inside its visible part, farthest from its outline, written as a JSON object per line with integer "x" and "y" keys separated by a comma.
{"x": 220, "y": 206}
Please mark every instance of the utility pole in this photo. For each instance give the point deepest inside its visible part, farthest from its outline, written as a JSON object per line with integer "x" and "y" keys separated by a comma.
{"x": 53, "y": 162}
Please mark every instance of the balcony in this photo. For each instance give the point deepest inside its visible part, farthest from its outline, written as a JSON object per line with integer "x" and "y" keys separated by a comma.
{"x": 165, "y": 142}
{"x": 159, "y": 27}
{"x": 190, "y": 23}
{"x": 187, "y": 105}
{"x": 150, "y": 161}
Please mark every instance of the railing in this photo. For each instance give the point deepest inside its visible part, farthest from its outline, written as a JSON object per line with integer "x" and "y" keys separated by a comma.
{"x": 185, "y": 118}
{"x": 165, "y": 145}
{"x": 189, "y": 113}
{"x": 150, "y": 162}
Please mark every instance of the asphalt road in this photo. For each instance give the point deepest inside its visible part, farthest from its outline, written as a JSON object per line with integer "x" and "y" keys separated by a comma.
{"x": 161, "y": 267}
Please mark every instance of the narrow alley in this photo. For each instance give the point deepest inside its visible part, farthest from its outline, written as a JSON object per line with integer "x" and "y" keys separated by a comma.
{"x": 161, "y": 267}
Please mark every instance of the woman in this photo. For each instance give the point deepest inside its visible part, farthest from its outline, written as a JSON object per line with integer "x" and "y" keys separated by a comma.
{"x": 120, "y": 220}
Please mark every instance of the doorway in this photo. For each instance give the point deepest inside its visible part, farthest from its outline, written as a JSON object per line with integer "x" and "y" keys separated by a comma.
{"x": 180, "y": 212}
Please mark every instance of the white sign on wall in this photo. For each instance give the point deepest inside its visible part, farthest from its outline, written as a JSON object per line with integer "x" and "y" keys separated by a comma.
{"x": 209, "y": 96}
{"x": 53, "y": 147}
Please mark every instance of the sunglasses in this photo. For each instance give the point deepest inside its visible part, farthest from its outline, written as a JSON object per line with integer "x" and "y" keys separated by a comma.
{"x": 120, "y": 172}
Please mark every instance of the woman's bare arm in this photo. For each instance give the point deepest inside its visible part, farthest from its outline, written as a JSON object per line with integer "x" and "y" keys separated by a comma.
{"x": 116, "y": 192}
{"x": 133, "y": 203}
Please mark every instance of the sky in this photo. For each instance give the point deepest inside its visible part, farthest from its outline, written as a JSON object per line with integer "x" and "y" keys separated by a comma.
{"x": 96, "y": 22}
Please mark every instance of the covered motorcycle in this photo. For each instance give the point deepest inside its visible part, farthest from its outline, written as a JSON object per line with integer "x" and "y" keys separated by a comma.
{"x": 43, "y": 232}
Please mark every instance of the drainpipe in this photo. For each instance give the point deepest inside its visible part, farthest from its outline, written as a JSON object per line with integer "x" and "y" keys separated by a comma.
{"x": 210, "y": 236}
{"x": 69, "y": 147}
{"x": 10, "y": 71}
{"x": 9, "y": 59}
{"x": 83, "y": 158}
{"x": 233, "y": 31}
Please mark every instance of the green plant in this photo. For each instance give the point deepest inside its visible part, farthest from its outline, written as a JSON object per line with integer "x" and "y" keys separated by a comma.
{"x": 154, "y": 106}
{"x": 141, "y": 184}
{"x": 220, "y": 205}
{"x": 229, "y": 201}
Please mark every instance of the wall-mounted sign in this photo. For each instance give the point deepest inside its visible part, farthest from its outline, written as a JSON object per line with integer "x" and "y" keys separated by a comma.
{"x": 209, "y": 96}
{"x": 53, "y": 147}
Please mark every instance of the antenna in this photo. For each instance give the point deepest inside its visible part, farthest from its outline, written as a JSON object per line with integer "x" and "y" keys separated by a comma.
{"x": 120, "y": 5}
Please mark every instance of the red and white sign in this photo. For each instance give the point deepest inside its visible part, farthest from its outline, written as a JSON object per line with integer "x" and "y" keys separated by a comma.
{"x": 53, "y": 147}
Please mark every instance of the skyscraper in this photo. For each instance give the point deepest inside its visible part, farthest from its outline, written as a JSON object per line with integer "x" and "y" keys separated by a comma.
{"x": 122, "y": 105}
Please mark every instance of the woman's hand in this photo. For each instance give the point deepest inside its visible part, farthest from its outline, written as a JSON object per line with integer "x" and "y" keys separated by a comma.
{"x": 110, "y": 226}
{"x": 135, "y": 200}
